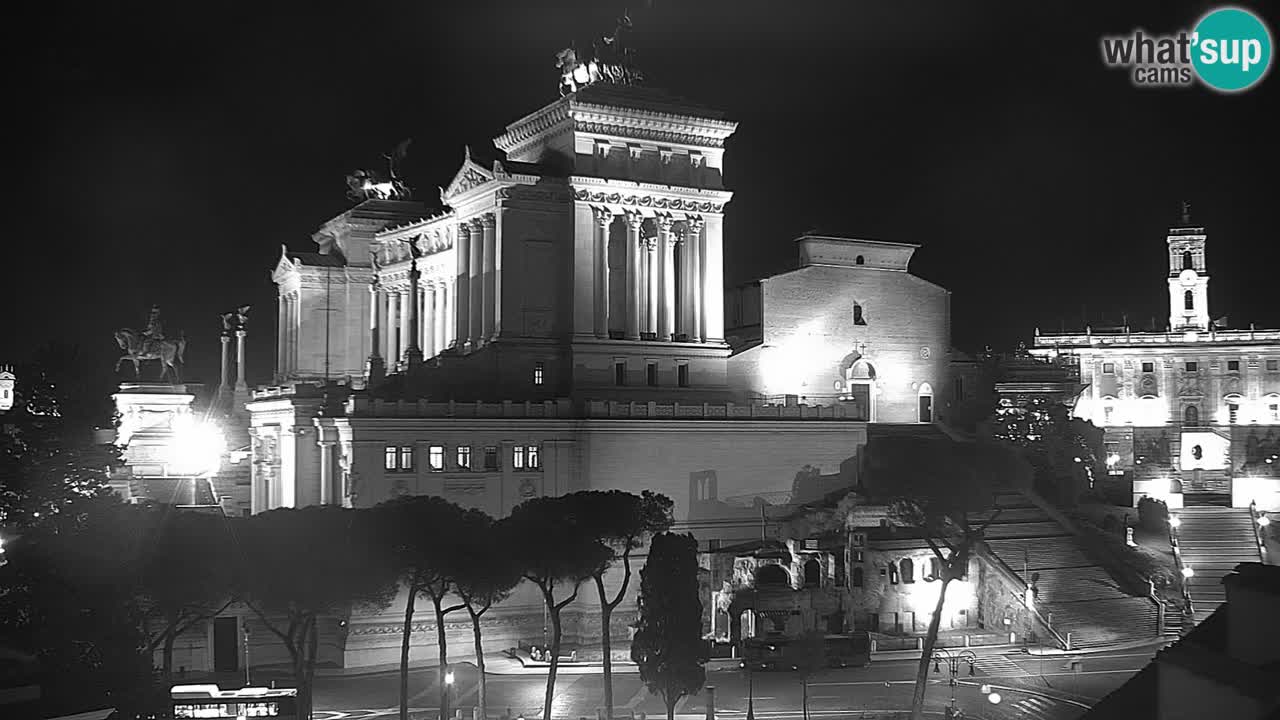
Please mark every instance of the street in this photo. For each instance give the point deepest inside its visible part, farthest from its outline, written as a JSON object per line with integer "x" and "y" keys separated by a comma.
{"x": 1043, "y": 688}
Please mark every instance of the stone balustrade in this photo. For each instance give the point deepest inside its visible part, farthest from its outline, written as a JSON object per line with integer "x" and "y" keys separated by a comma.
{"x": 1047, "y": 340}
{"x": 359, "y": 406}
{"x": 709, "y": 411}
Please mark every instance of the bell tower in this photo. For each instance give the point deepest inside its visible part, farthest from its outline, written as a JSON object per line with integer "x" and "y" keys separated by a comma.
{"x": 1188, "y": 276}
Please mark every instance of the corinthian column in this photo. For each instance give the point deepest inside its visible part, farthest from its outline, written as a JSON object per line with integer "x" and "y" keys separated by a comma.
{"x": 667, "y": 280}
{"x": 281, "y": 338}
{"x": 651, "y": 271}
{"x": 462, "y": 286}
{"x": 393, "y": 327}
{"x": 490, "y": 269}
{"x": 374, "y": 370}
{"x": 439, "y": 293}
{"x": 603, "y": 218}
{"x": 429, "y": 345}
{"x": 698, "y": 278}
{"x": 634, "y": 221}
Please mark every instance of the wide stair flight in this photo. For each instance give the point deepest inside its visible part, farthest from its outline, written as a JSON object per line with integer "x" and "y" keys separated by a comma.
{"x": 1212, "y": 541}
{"x": 1078, "y": 596}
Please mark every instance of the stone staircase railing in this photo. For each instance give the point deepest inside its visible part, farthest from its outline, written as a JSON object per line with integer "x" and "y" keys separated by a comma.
{"x": 1016, "y": 580}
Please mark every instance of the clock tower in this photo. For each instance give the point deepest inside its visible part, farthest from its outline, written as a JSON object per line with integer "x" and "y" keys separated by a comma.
{"x": 1188, "y": 278}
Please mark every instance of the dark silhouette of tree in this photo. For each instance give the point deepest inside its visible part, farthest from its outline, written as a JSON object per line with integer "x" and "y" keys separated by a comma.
{"x": 187, "y": 575}
{"x": 554, "y": 550}
{"x": 668, "y": 645}
{"x": 308, "y": 564}
{"x": 1065, "y": 453}
{"x": 809, "y": 653}
{"x": 940, "y": 487}
{"x": 621, "y": 521}
{"x": 487, "y": 573}
{"x": 423, "y": 533}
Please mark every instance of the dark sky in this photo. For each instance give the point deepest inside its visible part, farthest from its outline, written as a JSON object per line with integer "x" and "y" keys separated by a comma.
{"x": 171, "y": 151}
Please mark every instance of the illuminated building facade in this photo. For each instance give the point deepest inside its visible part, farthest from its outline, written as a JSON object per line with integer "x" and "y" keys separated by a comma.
{"x": 1192, "y": 413}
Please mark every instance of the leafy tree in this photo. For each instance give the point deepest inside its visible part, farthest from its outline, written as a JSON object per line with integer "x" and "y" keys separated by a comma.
{"x": 187, "y": 575}
{"x": 487, "y": 573}
{"x": 67, "y": 593}
{"x": 553, "y": 550}
{"x": 668, "y": 645}
{"x": 1065, "y": 452}
{"x": 423, "y": 533}
{"x": 621, "y": 521}
{"x": 945, "y": 489}
{"x": 307, "y": 564}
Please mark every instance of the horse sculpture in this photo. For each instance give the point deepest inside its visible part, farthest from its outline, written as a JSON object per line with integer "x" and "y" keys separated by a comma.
{"x": 168, "y": 352}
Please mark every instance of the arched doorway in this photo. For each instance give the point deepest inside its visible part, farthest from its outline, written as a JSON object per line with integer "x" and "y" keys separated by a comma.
{"x": 772, "y": 576}
{"x": 1191, "y": 416}
{"x": 812, "y": 573}
{"x": 860, "y": 392}
{"x": 924, "y": 399}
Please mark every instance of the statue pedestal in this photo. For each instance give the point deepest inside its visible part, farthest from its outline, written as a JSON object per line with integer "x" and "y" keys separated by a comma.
{"x": 147, "y": 414}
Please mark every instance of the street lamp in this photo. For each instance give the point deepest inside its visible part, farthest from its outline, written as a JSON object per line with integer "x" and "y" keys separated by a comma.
{"x": 1187, "y": 572}
{"x": 942, "y": 655}
{"x": 1175, "y": 522}
{"x": 448, "y": 690}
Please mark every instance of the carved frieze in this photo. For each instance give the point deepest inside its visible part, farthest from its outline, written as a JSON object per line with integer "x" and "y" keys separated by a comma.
{"x": 652, "y": 134}
{"x": 648, "y": 201}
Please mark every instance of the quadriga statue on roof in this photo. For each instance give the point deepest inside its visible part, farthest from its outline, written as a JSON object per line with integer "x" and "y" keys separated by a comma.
{"x": 612, "y": 61}
{"x": 365, "y": 185}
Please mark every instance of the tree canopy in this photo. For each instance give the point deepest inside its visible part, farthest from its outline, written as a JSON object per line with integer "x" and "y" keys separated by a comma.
{"x": 668, "y": 646}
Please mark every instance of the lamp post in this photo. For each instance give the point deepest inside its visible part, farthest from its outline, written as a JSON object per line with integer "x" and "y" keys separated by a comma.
{"x": 942, "y": 655}
{"x": 751, "y": 691}
{"x": 247, "y": 682}
{"x": 448, "y": 690}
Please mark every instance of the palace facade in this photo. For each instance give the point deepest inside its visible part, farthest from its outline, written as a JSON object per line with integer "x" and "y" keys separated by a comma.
{"x": 1192, "y": 414}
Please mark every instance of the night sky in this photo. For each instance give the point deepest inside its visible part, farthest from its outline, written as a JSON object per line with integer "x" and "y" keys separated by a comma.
{"x": 168, "y": 152}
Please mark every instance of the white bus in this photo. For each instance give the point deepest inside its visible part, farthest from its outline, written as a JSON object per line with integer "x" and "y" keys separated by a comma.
{"x": 209, "y": 702}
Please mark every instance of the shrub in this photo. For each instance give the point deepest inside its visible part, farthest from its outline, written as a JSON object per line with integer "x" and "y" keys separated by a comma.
{"x": 1153, "y": 515}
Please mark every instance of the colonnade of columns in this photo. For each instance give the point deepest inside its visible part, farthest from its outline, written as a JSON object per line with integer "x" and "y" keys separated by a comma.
{"x": 396, "y": 311}
{"x": 666, "y": 278}
{"x": 479, "y": 280}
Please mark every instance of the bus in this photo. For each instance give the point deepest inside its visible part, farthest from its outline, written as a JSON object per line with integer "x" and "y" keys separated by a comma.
{"x": 209, "y": 702}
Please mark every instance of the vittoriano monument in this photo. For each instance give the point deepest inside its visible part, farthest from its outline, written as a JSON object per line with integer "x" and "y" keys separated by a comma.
{"x": 151, "y": 344}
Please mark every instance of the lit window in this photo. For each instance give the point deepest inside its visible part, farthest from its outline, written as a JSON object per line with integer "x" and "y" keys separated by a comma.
{"x": 1233, "y": 413}
{"x": 538, "y": 369}
{"x": 435, "y": 457}
{"x": 1193, "y": 366}
{"x": 491, "y": 458}
{"x": 651, "y": 374}
{"x": 389, "y": 458}
{"x": 406, "y": 458}
{"x": 1233, "y": 366}
{"x": 1108, "y": 368}
{"x": 464, "y": 457}
{"x": 532, "y": 455}
{"x": 682, "y": 375}
{"x": 1273, "y": 365}
{"x": 1148, "y": 367}
{"x": 620, "y": 373}
{"x": 1274, "y": 409}
{"x": 1106, "y": 414}
{"x": 517, "y": 457}
{"x": 893, "y": 574}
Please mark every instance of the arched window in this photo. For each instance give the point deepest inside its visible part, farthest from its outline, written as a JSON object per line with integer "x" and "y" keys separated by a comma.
{"x": 1191, "y": 416}
{"x": 1188, "y": 300}
{"x": 925, "y": 403}
{"x": 1188, "y": 262}
{"x": 772, "y": 576}
{"x": 841, "y": 576}
{"x": 908, "y": 570}
{"x": 812, "y": 573}
{"x": 857, "y": 577}
{"x": 857, "y": 315}
{"x": 859, "y": 260}
{"x": 935, "y": 569}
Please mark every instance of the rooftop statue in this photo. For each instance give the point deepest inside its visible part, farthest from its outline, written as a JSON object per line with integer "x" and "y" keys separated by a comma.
{"x": 366, "y": 185}
{"x": 151, "y": 344}
{"x": 612, "y": 61}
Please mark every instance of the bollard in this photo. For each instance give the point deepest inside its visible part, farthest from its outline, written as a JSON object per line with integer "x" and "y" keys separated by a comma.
{"x": 711, "y": 702}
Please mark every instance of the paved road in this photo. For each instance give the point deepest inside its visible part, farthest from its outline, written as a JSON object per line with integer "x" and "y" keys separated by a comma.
{"x": 1031, "y": 688}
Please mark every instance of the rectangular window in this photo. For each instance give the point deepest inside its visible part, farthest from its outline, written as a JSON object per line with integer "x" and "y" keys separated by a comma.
{"x": 1148, "y": 367}
{"x": 406, "y": 458}
{"x": 1233, "y": 413}
{"x": 491, "y": 458}
{"x": 620, "y": 373}
{"x": 538, "y": 369}
{"x": 1193, "y": 366}
{"x": 682, "y": 375}
{"x": 651, "y": 374}
{"x": 959, "y": 389}
{"x": 857, "y": 556}
{"x": 389, "y": 458}
{"x": 1233, "y": 366}
{"x": 464, "y": 457}
{"x": 532, "y": 456}
{"x": 517, "y": 457}
{"x": 1108, "y": 368}
{"x": 435, "y": 457}
{"x": 1106, "y": 414}
{"x": 1273, "y": 365}
{"x": 1274, "y": 409}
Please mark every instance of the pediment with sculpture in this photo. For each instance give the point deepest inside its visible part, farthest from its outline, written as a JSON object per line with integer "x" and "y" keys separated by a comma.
{"x": 470, "y": 176}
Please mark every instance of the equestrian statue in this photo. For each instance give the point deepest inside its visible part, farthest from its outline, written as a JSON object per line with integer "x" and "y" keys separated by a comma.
{"x": 151, "y": 344}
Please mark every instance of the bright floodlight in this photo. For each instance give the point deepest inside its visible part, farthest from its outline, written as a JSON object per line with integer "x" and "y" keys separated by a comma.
{"x": 994, "y": 698}
{"x": 1112, "y": 459}
{"x": 1175, "y": 521}
{"x": 1188, "y": 572}
{"x": 196, "y": 448}
{"x": 1263, "y": 520}
{"x": 448, "y": 678}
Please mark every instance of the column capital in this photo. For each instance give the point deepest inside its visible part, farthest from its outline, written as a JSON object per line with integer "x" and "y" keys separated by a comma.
{"x": 464, "y": 227}
{"x": 488, "y": 220}
{"x": 634, "y": 220}
{"x": 694, "y": 223}
{"x": 649, "y": 243}
{"x": 665, "y": 223}
{"x": 603, "y": 216}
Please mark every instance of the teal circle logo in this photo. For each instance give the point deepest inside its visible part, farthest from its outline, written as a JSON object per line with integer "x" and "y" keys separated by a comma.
{"x": 1231, "y": 49}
